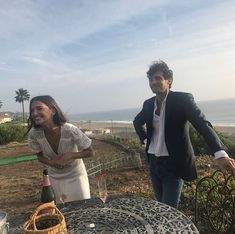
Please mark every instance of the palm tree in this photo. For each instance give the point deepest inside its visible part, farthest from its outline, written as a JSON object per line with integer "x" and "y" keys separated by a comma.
{"x": 21, "y": 96}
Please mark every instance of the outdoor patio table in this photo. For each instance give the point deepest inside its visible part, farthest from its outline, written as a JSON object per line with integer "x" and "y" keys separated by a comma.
{"x": 120, "y": 214}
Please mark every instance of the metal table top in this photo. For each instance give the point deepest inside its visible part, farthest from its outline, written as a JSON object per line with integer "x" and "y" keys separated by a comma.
{"x": 120, "y": 215}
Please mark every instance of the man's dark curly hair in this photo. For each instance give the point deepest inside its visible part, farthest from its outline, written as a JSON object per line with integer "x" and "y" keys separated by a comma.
{"x": 160, "y": 66}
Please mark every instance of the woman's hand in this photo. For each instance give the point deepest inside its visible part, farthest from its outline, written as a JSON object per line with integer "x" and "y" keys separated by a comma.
{"x": 59, "y": 162}
{"x": 63, "y": 160}
{"x": 56, "y": 164}
{"x": 53, "y": 163}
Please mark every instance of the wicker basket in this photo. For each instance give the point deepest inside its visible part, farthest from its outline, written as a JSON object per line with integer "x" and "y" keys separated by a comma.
{"x": 46, "y": 223}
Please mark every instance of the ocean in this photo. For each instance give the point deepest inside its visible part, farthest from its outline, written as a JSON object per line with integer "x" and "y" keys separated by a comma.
{"x": 218, "y": 112}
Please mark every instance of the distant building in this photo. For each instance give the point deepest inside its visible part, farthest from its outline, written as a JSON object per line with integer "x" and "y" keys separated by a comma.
{"x": 107, "y": 131}
{"x": 5, "y": 118}
{"x": 97, "y": 131}
{"x": 100, "y": 131}
{"x": 88, "y": 132}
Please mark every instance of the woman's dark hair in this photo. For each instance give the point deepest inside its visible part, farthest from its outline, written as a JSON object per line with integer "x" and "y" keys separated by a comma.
{"x": 160, "y": 66}
{"x": 58, "y": 118}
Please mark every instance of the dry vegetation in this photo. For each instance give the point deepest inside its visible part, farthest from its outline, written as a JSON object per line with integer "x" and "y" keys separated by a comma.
{"x": 20, "y": 184}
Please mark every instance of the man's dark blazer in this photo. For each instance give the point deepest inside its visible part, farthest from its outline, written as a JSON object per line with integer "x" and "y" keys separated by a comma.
{"x": 180, "y": 110}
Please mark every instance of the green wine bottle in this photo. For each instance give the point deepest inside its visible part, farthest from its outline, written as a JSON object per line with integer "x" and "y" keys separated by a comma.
{"x": 47, "y": 194}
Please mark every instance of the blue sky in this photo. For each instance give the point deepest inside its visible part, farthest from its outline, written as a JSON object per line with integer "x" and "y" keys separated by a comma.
{"x": 93, "y": 55}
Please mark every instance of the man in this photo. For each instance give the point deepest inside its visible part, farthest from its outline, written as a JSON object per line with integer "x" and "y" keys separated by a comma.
{"x": 166, "y": 117}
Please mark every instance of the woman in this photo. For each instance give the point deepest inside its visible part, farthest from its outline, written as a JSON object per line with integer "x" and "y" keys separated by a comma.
{"x": 61, "y": 146}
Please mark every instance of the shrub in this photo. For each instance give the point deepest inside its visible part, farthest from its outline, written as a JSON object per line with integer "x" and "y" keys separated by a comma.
{"x": 229, "y": 143}
{"x": 200, "y": 147}
{"x": 12, "y": 132}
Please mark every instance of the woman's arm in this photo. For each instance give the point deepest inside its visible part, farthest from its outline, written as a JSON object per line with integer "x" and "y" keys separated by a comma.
{"x": 48, "y": 162}
{"x": 64, "y": 159}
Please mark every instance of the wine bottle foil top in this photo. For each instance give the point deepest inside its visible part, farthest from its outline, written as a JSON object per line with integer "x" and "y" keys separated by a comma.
{"x": 45, "y": 172}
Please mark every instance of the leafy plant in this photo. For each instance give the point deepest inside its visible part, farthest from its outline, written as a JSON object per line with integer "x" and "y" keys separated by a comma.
{"x": 201, "y": 148}
{"x": 12, "y": 132}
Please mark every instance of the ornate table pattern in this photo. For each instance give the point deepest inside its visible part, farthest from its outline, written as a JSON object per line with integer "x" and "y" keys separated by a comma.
{"x": 124, "y": 215}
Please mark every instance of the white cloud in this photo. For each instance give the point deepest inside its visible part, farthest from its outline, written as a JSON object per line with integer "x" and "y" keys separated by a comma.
{"x": 39, "y": 41}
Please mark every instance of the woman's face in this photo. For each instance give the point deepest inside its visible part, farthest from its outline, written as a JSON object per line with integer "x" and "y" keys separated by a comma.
{"x": 41, "y": 113}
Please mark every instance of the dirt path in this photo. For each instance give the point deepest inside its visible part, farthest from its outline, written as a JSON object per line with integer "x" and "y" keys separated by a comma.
{"x": 20, "y": 184}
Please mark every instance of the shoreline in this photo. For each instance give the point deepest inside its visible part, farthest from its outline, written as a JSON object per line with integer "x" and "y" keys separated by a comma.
{"x": 229, "y": 130}
{"x": 94, "y": 125}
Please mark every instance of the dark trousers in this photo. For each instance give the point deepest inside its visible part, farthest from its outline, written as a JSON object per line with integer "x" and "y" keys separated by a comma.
{"x": 166, "y": 185}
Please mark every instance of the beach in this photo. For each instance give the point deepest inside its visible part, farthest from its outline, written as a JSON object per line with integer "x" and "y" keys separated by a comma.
{"x": 227, "y": 130}
{"x": 115, "y": 125}
{"x": 96, "y": 125}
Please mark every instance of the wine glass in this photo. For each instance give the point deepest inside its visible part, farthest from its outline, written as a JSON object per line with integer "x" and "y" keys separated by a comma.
{"x": 103, "y": 194}
{"x": 62, "y": 192}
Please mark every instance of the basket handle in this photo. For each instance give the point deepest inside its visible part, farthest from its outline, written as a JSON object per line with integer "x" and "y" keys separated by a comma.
{"x": 40, "y": 208}
{"x": 43, "y": 207}
{"x": 31, "y": 221}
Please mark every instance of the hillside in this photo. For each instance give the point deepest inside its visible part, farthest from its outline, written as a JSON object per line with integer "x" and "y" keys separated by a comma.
{"x": 20, "y": 184}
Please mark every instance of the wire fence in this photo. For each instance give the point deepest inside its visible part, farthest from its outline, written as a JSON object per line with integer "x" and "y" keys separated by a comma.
{"x": 117, "y": 161}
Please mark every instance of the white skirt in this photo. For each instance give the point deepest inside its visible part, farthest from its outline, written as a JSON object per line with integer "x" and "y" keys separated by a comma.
{"x": 71, "y": 188}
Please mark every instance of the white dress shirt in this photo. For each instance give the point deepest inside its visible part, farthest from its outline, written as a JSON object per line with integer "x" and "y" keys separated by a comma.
{"x": 158, "y": 145}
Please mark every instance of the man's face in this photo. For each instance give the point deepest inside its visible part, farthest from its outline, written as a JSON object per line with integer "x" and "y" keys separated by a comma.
{"x": 158, "y": 84}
